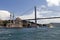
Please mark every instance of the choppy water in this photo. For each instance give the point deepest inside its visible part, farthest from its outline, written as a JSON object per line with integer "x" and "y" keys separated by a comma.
{"x": 30, "y": 34}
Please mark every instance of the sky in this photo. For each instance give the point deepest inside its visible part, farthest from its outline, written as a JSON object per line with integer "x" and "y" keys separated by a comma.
{"x": 25, "y": 9}
{"x": 19, "y": 6}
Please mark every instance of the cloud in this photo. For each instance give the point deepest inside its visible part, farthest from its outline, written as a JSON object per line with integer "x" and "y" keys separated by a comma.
{"x": 47, "y": 21}
{"x": 53, "y": 2}
{"x": 4, "y": 15}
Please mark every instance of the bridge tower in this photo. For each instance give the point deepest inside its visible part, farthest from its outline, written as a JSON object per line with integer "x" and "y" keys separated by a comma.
{"x": 35, "y": 16}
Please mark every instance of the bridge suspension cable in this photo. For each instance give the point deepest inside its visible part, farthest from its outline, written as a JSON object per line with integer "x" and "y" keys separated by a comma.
{"x": 27, "y": 12}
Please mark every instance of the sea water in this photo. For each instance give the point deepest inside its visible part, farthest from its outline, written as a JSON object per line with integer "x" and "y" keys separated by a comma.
{"x": 30, "y": 34}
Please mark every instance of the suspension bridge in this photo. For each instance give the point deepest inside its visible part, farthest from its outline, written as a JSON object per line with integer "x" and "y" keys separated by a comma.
{"x": 35, "y": 9}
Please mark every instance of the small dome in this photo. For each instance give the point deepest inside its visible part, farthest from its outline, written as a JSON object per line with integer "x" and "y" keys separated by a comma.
{"x": 18, "y": 19}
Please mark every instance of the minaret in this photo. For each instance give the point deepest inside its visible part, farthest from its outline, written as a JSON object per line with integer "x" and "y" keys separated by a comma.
{"x": 10, "y": 20}
{"x": 13, "y": 19}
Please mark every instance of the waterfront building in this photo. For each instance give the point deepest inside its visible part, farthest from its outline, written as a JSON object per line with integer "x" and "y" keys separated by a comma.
{"x": 16, "y": 24}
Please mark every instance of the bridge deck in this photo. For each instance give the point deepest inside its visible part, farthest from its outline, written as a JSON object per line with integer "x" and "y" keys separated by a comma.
{"x": 43, "y": 18}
